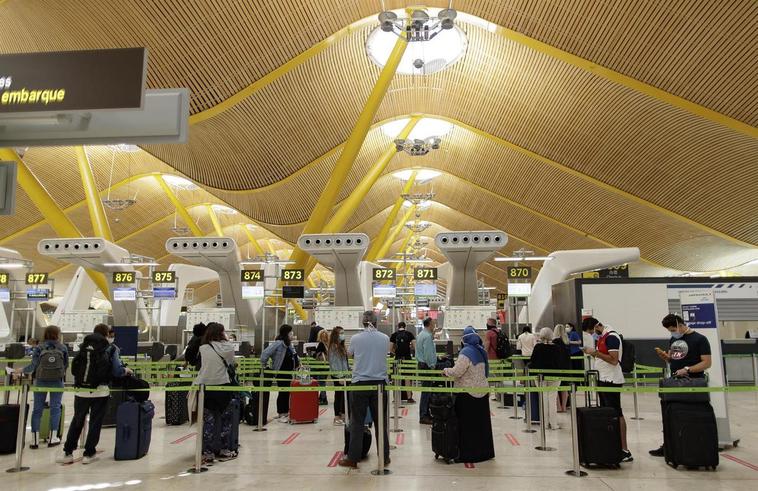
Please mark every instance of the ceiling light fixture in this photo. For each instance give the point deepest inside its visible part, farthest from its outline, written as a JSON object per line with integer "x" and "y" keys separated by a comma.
{"x": 528, "y": 258}
{"x": 417, "y": 148}
{"x": 434, "y": 41}
{"x": 422, "y": 175}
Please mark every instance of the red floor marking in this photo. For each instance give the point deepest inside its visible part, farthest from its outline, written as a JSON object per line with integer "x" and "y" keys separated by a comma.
{"x": 404, "y": 412}
{"x": 400, "y": 439}
{"x": 322, "y": 411}
{"x": 183, "y": 439}
{"x": 512, "y": 439}
{"x": 290, "y": 438}
{"x": 740, "y": 461}
{"x": 469, "y": 466}
{"x": 335, "y": 459}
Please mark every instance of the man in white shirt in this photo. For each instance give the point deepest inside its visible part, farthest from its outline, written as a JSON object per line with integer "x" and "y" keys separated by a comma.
{"x": 526, "y": 341}
{"x": 607, "y": 357}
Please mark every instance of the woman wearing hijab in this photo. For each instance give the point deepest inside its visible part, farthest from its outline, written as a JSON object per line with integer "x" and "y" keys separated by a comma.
{"x": 473, "y": 409}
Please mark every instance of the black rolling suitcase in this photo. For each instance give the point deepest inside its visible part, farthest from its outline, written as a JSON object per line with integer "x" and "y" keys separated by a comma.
{"x": 134, "y": 424}
{"x": 444, "y": 427}
{"x": 250, "y": 410}
{"x": 690, "y": 435}
{"x": 176, "y": 404}
{"x": 367, "y": 439}
{"x": 599, "y": 433}
{"x": 9, "y": 414}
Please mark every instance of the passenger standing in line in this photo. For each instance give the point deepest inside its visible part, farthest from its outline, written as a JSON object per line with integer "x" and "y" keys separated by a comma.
{"x": 575, "y": 343}
{"x": 607, "y": 357}
{"x": 94, "y": 366}
{"x": 338, "y": 363}
{"x": 490, "y": 339}
{"x": 313, "y": 333}
{"x": 217, "y": 352}
{"x": 689, "y": 355}
{"x": 526, "y": 341}
{"x": 369, "y": 349}
{"x": 546, "y": 355}
{"x": 192, "y": 351}
{"x": 403, "y": 343}
{"x": 284, "y": 358}
{"x": 561, "y": 338}
{"x": 321, "y": 354}
{"x": 426, "y": 355}
{"x": 588, "y": 341}
{"x": 472, "y": 409}
{"x": 49, "y": 364}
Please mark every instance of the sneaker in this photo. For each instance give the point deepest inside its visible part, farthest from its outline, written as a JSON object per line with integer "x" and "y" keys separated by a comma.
{"x": 54, "y": 442}
{"x": 208, "y": 458}
{"x": 627, "y": 456}
{"x": 88, "y": 459}
{"x": 65, "y": 458}
{"x": 284, "y": 419}
{"x": 348, "y": 463}
{"x": 339, "y": 422}
{"x": 225, "y": 455}
{"x": 658, "y": 452}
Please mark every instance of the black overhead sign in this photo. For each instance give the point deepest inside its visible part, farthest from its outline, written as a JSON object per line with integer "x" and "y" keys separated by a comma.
{"x": 72, "y": 80}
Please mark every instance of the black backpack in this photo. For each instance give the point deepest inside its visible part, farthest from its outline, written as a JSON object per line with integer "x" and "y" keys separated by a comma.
{"x": 403, "y": 343}
{"x": 92, "y": 364}
{"x": 627, "y": 355}
{"x": 503, "y": 346}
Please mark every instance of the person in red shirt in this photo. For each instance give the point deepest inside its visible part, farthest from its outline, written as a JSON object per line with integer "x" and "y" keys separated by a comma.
{"x": 490, "y": 339}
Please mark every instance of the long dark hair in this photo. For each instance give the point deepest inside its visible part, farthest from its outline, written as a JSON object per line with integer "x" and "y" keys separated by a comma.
{"x": 335, "y": 343}
{"x": 213, "y": 332}
{"x": 284, "y": 332}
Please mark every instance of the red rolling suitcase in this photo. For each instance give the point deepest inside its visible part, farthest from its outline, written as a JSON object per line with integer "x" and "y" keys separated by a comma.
{"x": 303, "y": 405}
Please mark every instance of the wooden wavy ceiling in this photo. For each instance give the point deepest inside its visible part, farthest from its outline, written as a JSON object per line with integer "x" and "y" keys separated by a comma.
{"x": 586, "y": 124}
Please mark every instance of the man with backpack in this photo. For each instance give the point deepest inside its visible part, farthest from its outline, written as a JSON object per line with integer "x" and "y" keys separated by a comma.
{"x": 93, "y": 367}
{"x": 402, "y": 345}
{"x": 608, "y": 356}
{"x": 496, "y": 342}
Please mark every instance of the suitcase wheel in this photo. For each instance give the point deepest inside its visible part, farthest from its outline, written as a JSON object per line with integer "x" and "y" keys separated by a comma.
{"x": 436, "y": 456}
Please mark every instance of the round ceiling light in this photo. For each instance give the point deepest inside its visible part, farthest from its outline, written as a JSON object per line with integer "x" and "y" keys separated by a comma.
{"x": 420, "y": 57}
{"x": 425, "y": 128}
{"x": 422, "y": 175}
{"x": 422, "y": 205}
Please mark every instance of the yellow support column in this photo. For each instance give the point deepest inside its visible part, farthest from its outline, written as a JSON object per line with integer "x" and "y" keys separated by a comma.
{"x": 92, "y": 196}
{"x": 392, "y": 237}
{"x": 49, "y": 209}
{"x": 258, "y": 249}
{"x": 214, "y": 220}
{"x": 349, "y": 205}
{"x": 377, "y": 243}
{"x": 179, "y": 206}
{"x": 344, "y": 163}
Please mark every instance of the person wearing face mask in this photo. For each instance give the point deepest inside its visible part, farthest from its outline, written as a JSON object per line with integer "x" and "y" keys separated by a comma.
{"x": 607, "y": 357}
{"x": 283, "y": 357}
{"x": 689, "y": 354}
{"x": 338, "y": 363}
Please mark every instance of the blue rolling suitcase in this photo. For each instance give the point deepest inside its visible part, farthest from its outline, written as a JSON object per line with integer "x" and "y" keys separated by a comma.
{"x": 134, "y": 425}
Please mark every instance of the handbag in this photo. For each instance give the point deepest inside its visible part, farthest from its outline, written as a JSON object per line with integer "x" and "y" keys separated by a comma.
{"x": 682, "y": 382}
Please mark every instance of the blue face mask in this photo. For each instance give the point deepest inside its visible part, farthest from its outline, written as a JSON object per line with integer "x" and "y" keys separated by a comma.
{"x": 342, "y": 337}
{"x": 677, "y": 335}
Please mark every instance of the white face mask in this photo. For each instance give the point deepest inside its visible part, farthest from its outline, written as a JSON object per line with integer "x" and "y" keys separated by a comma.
{"x": 290, "y": 335}
{"x": 110, "y": 340}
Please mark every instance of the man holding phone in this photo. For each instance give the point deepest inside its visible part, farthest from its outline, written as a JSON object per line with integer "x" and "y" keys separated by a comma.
{"x": 689, "y": 354}
{"x": 607, "y": 357}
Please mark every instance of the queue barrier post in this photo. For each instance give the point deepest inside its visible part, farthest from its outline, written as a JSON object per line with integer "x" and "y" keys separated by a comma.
{"x": 396, "y": 402}
{"x": 21, "y": 429}
{"x": 380, "y": 470}
{"x": 576, "y": 471}
{"x": 515, "y": 395}
{"x": 755, "y": 368}
{"x": 528, "y": 405}
{"x": 543, "y": 423}
{"x": 260, "y": 406}
{"x": 636, "y": 416}
{"x": 198, "y": 468}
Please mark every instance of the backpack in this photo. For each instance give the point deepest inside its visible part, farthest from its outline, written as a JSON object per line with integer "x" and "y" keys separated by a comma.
{"x": 52, "y": 367}
{"x": 92, "y": 364}
{"x": 503, "y": 346}
{"x": 403, "y": 343}
{"x": 627, "y": 355}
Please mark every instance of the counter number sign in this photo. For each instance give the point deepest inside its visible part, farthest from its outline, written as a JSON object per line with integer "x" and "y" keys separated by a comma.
{"x": 252, "y": 275}
{"x": 4, "y": 279}
{"x": 123, "y": 277}
{"x": 519, "y": 272}
{"x": 293, "y": 275}
{"x": 164, "y": 277}
{"x": 384, "y": 274}
{"x": 425, "y": 273}
{"x": 36, "y": 278}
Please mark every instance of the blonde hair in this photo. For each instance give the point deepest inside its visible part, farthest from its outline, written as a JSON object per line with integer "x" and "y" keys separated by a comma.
{"x": 560, "y": 333}
{"x": 323, "y": 337}
{"x": 546, "y": 335}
